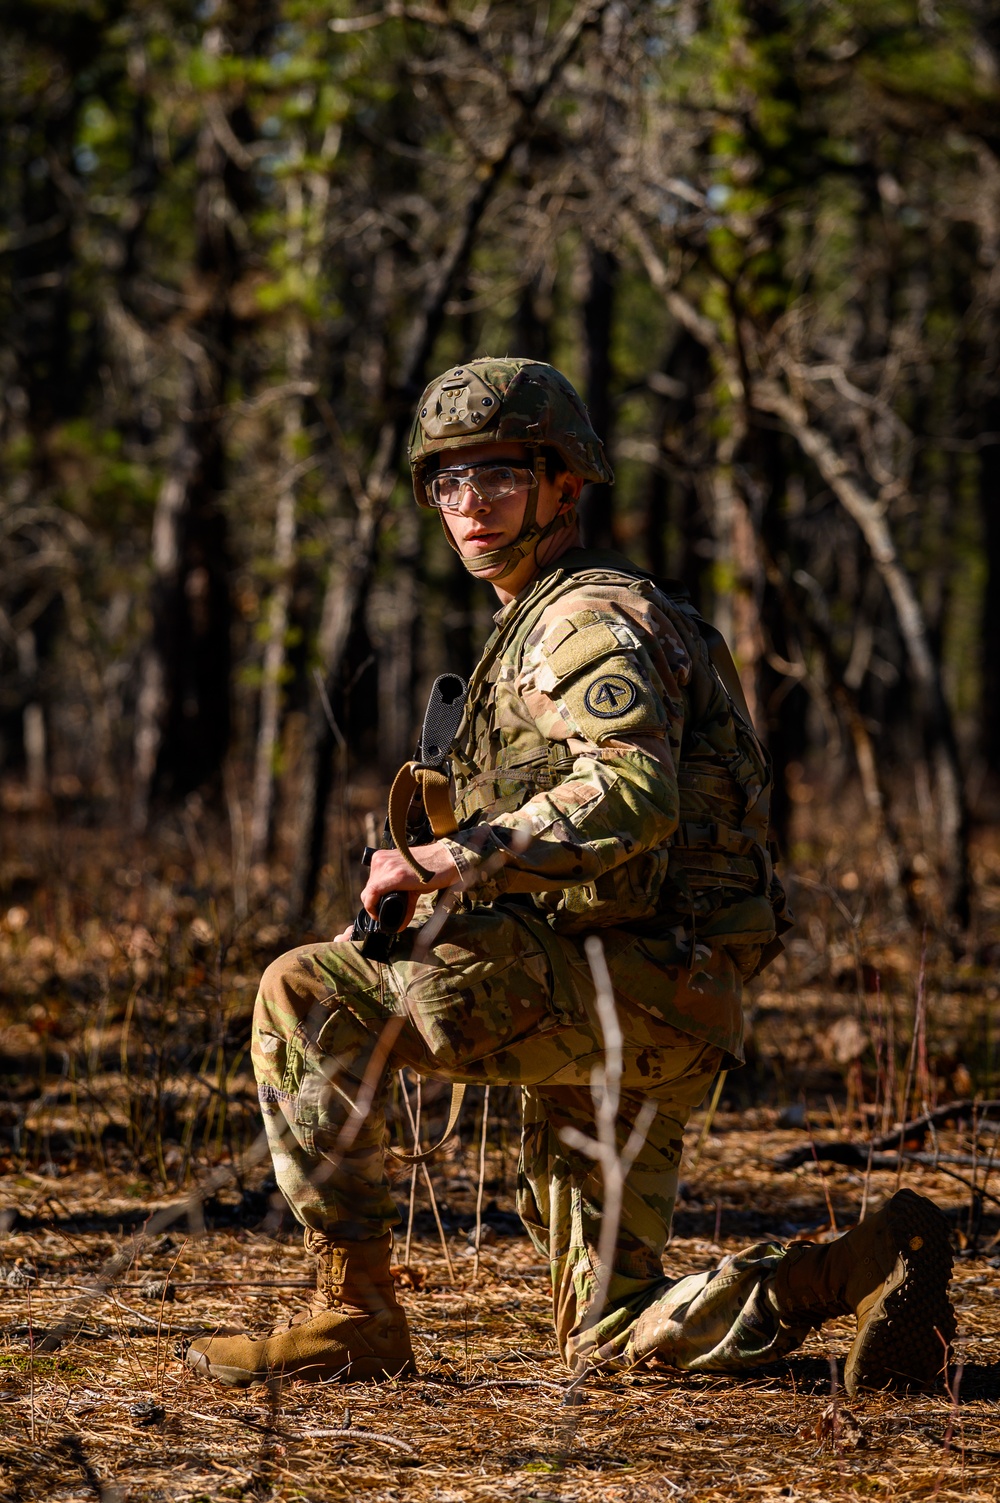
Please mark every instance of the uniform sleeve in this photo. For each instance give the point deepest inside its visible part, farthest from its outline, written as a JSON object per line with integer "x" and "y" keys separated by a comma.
{"x": 610, "y": 689}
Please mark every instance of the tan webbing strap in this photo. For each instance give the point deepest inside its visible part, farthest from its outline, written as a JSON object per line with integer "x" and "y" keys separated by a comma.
{"x": 436, "y": 793}
{"x": 457, "y": 1097}
{"x": 404, "y": 786}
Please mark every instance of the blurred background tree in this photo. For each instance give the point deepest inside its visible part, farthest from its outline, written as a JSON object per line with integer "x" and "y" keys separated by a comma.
{"x": 762, "y": 238}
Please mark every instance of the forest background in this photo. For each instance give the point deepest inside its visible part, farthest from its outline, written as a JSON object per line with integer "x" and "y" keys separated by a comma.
{"x": 762, "y": 238}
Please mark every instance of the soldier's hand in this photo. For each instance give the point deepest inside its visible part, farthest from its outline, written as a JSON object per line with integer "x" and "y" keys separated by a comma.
{"x": 390, "y": 873}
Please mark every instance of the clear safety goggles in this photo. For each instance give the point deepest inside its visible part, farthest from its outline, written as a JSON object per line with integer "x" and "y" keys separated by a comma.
{"x": 490, "y": 482}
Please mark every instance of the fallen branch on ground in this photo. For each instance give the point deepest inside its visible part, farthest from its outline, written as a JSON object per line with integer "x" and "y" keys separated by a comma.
{"x": 855, "y": 1155}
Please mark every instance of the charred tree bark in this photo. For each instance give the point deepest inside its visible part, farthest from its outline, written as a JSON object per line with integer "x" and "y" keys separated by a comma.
{"x": 51, "y": 363}
{"x": 182, "y": 713}
{"x": 183, "y": 709}
{"x": 739, "y": 579}
{"x": 343, "y": 605}
{"x": 394, "y": 624}
{"x": 783, "y": 700}
{"x": 48, "y": 360}
{"x": 675, "y": 386}
{"x": 989, "y": 495}
{"x": 533, "y": 318}
{"x": 269, "y": 723}
{"x": 595, "y": 508}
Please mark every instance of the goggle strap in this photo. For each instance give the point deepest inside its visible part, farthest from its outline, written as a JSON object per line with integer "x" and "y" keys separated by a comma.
{"x": 512, "y": 554}
{"x": 528, "y": 539}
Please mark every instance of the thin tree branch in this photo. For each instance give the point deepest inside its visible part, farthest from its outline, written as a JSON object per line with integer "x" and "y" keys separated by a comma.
{"x": 869, "y": 515}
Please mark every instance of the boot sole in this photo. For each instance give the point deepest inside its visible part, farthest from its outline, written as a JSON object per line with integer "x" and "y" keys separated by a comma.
{"x": 361, "y": 1370}
{"x": 906, "y": 1340}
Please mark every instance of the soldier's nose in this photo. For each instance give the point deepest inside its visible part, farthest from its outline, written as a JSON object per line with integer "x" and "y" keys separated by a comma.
{"x": 469, "y": 499}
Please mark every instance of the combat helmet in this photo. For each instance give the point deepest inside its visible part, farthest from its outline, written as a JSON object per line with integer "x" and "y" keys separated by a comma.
{"x": 498, "y": 400}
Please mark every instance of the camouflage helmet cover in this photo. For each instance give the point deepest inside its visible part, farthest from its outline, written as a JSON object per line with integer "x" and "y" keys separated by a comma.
{"x": 504, "y": 400}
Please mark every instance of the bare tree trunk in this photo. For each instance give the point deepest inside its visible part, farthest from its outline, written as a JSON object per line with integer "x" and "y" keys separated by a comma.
{"x": 393, "y": 619}
{"x": 306, "y": 213}
{"x": 533, "y": 316}
{"x": 932, "y": 709}
{"x": 170, "y": 713}
{"x": 183, "y": 709}
{"x": 595, "y": 508}
{"x": 895, "y": 870}
{"x": 182, "y": 713}
{"x": 989, "y": 496}
{"x": 262, "y": 819}
{"x": 738, "y": 575}
{"x": 33, "y": 731}
{"x": 674, "y": 513}
{"x": 738, "y": 579}
{"x": 343, "y": 602}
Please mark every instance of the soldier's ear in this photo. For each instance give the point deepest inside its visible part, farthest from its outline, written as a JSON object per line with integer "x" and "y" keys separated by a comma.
{"x": 572, "y": 485}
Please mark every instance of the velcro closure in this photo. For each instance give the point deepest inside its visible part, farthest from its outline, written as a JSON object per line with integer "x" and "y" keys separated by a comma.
{"x": 557, "y": 634}
{"x": 580, "y": 649}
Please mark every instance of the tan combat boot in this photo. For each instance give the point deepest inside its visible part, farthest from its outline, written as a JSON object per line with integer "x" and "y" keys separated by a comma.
{"x": 354, "y": 1329}
{"x": 892, "y": 1273}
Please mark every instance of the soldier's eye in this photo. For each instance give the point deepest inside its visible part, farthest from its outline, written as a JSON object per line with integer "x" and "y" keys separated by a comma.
{"x": 489, "y": 482}
{"x": 496, "y": 482}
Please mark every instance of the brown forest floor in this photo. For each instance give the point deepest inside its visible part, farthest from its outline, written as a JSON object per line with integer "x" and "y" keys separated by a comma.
{"x": 109, "y": 958}
{"x": 113, "y": 1415}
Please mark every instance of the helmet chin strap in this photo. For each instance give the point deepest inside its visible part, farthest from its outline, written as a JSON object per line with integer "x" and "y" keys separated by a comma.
{"x": 527, "y": 540}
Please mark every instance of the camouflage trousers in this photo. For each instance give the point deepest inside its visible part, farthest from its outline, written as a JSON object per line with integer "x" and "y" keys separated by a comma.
{"x": 498, "y": 998}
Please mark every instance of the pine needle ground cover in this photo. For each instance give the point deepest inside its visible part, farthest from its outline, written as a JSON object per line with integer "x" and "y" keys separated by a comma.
{"x": 133, "y": 1213}
{"x": 112, "y": 1414}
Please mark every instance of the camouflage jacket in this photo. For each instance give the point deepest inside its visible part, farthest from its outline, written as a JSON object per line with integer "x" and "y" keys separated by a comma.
{"x": 603, "y": 768}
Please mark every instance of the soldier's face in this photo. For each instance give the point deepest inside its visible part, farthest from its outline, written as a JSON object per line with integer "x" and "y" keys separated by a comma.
{"x": 478, "y": 525}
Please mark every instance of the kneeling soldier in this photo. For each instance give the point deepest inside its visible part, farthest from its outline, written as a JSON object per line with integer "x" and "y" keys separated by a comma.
{"x": 608, "y": 780}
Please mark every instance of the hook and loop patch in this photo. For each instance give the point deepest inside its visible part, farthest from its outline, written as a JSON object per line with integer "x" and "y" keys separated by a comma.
{"x": 610, "y": 696}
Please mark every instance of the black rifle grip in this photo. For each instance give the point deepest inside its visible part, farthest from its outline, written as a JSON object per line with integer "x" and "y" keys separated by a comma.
{"x": 378, "y": 935}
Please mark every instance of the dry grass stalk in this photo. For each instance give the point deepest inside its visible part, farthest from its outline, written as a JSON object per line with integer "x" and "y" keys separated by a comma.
{"x": 954, "y": 1385}
{"x": 713, "y": 1107}
{"x": 615, "y": 1163}
{"x": 413, "y": 1172}
{"x": 832, "y": 1222}
{"x": 481, "y": 1181}
{"x": 31, "y": 1363}
{"x": 989, "y": 1162}
{"x": 915, "y": 1047}
{"x": 430, "y": 1189}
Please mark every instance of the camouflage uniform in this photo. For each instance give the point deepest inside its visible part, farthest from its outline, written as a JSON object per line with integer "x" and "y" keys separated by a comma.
{"x": 604, "y": 782}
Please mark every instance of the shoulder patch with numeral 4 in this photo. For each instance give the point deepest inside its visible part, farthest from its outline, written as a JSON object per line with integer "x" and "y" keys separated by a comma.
{"x": 610, "y": 696}
{"x": 615, "y": 698}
